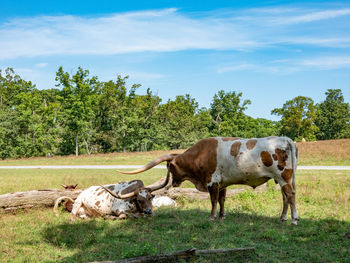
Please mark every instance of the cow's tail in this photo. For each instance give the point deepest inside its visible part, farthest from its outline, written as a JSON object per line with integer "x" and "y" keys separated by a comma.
{"x": 58, "y": 201}
{"x": 294, "y": 151}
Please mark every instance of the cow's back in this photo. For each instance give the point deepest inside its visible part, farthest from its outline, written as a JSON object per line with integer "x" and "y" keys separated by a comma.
{"x": 251, "y": 161}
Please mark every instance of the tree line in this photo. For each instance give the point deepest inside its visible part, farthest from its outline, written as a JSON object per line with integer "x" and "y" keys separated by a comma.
{"x": 84, "y": 115}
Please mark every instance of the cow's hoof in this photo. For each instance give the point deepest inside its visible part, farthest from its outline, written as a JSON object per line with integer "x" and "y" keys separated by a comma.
{"x": 212, "y": 218}
{"x": 221, "y": 218}
{"x": 294, "y": 222}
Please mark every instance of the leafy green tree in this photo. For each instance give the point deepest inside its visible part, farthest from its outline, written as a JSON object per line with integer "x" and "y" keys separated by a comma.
{"x": 260, "y": 127}
{"x": 110, "y": 116}
{"x": 298, "y": 118}
{"x": 11, "y": 85}
{"x": 227, "y": 112}
{"x": 178, "y": 124}
{"x": 12, "y": 135}
{"x": 333, "y": 116}
{"x": 78, "y": 99}
{"x": 10, "y": 143}
{"x": 143, "y": 121}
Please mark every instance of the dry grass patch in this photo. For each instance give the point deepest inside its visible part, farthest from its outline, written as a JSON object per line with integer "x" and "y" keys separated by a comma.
{"x": 330, "y": 152}
{"x": 93, "y": 159}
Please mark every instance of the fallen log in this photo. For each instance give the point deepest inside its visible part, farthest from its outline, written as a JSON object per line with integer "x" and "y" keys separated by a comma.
{"x": 180, "y": 255}
{"x": 34, "y": 199}
{"x": 47, "y": 197}
{"x": 174, "y": 193}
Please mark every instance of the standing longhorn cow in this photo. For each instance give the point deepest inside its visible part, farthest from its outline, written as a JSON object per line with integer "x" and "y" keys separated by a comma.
{"x": 212, "y": 164}
{"x": 113, "y": 201}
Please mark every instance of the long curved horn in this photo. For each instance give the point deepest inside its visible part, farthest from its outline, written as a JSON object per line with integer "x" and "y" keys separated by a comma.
{"x": 157, "y": 187}
{"x": 117, "y": 195}
{"x": 148, "y": 166}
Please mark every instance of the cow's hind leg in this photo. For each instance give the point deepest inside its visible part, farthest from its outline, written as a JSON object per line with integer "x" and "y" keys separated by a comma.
{"x": 214, "y": 196}
{"x": 222, "y": 197}
{"x": 75, "y": 211}
{"x": 290, "y": 196}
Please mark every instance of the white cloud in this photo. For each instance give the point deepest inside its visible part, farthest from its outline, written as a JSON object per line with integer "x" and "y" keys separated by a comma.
{"x": 287, "y": 66}
{"x": 272, "y": 69}
{"x": 327, "y": 62}
{"x": 313, "y": 16}
{"x": 164, "y": 31}
{"x": 41, "y": 65}
{"x": 343, "y": 42}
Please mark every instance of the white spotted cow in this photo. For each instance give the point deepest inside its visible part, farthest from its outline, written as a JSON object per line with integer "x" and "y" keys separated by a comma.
{"x": 212, "y": 164}
{"x": 113, "y": 201}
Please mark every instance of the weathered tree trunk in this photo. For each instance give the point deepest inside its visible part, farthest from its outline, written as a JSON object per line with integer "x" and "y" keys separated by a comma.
{"x": 47, "y": 197}
{"x": 192, "y": 193}
{"x": 34, "y": 199}
{"x": 182, "y": 255}
{"x": 76, "y": 146}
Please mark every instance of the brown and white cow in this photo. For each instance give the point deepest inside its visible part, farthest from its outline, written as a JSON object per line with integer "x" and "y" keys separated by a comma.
{"x": 113, "y": 201}
{"x": 212, "y": 164}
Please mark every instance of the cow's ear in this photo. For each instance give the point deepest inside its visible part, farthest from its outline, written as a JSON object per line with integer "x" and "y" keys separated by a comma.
{"x": 152, "y": 195}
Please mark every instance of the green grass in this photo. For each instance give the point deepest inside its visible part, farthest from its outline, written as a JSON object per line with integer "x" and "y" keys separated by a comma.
{"x": 323, "y": 233}
{"x": 94, "y": 159}
{"x": 331, "y": 161}
{"x": 15, "y": 180}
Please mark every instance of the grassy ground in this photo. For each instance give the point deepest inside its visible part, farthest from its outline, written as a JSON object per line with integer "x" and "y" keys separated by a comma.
{"x": 331, "y": 152}
{"x": 323, "y": 233}
{"x": 93, "y": 159}
{"x": 323, "y": 202}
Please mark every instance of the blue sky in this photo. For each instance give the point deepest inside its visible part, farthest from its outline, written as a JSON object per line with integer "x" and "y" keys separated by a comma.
{"x": 271, "y": 51}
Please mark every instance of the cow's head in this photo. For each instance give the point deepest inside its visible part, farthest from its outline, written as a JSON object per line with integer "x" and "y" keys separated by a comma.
{"x": 142, "y": 197}
{"x": 143, "y": 201}
{"x": 69, "y": 187}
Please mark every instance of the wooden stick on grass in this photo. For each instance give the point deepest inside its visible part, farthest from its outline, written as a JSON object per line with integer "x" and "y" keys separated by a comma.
{"x": 183, "y": 254}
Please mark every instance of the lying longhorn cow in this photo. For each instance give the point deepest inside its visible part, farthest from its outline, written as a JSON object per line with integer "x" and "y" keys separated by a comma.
{"x": 212, "y": 164}
{"x": 113, "y": 201}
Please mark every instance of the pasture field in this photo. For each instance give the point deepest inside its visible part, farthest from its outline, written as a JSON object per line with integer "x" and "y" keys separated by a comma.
{"x": 331, "y": 152}
{"x": 323, "y": 233}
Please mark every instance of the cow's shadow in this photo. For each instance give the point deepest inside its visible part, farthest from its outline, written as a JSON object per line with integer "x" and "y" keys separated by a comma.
{"x": 176, "y": 229}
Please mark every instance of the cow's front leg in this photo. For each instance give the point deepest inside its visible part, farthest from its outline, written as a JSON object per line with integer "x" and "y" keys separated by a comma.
{"x": 222, "y": 197}
{"x": 214, "y": 196}
{"x": 285, "y": 207}
{"x": 77, "y": 210}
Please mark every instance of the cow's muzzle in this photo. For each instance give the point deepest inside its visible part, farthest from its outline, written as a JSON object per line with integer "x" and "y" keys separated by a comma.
{"x": 148, "y": 212}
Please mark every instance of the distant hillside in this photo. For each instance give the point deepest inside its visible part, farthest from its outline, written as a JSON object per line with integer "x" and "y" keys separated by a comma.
{"x": 329, "y": 152}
